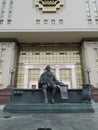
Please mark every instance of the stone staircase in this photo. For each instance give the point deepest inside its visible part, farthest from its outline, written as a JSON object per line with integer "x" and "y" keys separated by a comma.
{"x": 50, "y": 108}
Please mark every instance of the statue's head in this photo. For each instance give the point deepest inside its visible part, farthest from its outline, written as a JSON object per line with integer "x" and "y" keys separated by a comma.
{"x": 48, "y": 67}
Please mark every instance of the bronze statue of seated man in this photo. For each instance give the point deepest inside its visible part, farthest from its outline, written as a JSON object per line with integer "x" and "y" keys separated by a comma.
{"x": 48, "y": 80}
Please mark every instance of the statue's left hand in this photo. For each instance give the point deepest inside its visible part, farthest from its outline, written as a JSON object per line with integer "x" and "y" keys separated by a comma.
{"x": 61, "y": 84}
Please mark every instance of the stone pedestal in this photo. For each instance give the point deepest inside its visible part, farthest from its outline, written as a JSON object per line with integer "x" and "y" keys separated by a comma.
{"x": 86, "y": 92}
{"x": 32, "y": 101}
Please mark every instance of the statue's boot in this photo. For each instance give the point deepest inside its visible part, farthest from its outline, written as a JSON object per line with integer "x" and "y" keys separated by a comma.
{"x": 52, "y": 100}
{"x": 46, "y": 101}
{"x": 45, "y": 94}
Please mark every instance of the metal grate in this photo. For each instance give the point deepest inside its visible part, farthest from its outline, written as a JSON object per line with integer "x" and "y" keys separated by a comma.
{"x": 44, "y": 129}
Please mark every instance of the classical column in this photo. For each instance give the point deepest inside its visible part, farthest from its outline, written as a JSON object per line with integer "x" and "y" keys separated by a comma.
{"x": 10, "y": 61}
{"x": 88, "y": 60}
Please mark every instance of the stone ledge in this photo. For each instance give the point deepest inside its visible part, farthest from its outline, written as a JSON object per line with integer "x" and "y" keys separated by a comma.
{"x": 36, "y": 96}
{"x": 49, "y": 108}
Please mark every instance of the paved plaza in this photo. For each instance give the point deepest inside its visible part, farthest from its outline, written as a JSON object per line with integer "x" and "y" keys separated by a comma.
{"x": 55, "y": 121}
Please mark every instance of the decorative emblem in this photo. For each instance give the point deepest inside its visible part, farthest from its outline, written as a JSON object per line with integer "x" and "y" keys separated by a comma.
{"x": 49, "y": 5}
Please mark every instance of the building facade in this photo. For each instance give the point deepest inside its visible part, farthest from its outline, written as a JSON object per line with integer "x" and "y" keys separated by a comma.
{"x": 62, "y": 33}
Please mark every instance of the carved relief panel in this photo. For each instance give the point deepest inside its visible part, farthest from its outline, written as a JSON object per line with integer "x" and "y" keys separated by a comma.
{"x": 49, "y": 6}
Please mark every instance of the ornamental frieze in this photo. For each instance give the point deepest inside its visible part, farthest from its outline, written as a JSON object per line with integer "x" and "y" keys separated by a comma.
{"x": 49, "y": 5}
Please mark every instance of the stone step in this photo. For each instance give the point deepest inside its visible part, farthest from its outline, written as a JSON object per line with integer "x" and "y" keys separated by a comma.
{"x": 49, "y": 108}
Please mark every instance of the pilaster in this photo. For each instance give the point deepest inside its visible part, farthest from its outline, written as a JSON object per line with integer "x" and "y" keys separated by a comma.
{"x": 9, "y": 61}
{"x": 89, "y": 62}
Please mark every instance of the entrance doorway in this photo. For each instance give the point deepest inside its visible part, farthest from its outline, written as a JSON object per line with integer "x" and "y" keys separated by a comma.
{"x": 35, "y": 66}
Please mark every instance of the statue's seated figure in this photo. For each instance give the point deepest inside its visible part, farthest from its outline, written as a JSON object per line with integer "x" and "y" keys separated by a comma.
{"x": 48, "y": 80}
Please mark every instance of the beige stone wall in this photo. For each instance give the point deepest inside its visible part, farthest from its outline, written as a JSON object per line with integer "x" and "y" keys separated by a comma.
{"x": 72, "y": 16}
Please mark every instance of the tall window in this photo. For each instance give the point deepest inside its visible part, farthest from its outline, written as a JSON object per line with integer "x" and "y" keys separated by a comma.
{"x": 10, "y": 12}
{"x": 88, "y": 12}
{"x": 95, "y": 8}
{"x": 2, "y": 11}
{"x": 65, "y": 74}
{"x": 87, "y": 8}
